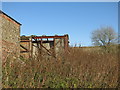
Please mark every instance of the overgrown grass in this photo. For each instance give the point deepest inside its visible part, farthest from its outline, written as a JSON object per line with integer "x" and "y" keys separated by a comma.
{"x": 76, "y": 69}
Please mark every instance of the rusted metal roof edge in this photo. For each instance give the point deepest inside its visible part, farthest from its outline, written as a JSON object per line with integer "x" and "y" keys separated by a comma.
{"x": 37, "y": 37}
{"x": 56, "y": 36}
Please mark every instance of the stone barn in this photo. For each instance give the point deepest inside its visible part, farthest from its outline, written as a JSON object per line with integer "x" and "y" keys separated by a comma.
{"x": 10, "y": 36}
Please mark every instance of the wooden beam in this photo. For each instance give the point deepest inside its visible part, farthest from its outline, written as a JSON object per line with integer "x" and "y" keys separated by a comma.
{"x": 31, "y": 47}
{"x": 57, "y": 43}
{"x": 24, "y": 51}
{"x": 40, "y": 37}
{"x": 24, "y": 47}
{"x": 41, "y": 47}
{"x": 24, "y": 40}
{"x": 66, "y": 42}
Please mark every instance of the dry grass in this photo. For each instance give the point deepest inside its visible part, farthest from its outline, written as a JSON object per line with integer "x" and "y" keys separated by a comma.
{"x": 77, "y": 69}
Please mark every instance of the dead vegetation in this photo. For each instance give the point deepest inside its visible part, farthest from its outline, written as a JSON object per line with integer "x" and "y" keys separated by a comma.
{"x": 77, "y": 69}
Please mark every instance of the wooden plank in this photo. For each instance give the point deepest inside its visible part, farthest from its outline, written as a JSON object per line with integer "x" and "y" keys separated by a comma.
{"x": 31, "y": 47}
{"x": 45, "y": 48}
{"x": 24, "y": 47}
{"x": 57, "y": 43}
{"x": 24, "y": 40}
{"x": 66, "y": 42}
{"x": 39, "y": 49}
{"x": 24, "y": 51}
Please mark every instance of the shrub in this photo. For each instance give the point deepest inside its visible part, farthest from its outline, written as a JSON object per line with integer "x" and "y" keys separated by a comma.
{"x": 76, "y": 69}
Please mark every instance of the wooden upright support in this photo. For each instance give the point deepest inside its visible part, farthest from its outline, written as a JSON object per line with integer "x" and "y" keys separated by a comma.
{"x": 31, "y": 47}
{"x": 66, "y": 42}
{"x": 54, "y": 53}
{"x": 42, "y": 44}
{"x": 41, "y": 47}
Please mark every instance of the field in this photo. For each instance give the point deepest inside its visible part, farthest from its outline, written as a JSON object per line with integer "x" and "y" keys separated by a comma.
{"x": 79, "y": 68}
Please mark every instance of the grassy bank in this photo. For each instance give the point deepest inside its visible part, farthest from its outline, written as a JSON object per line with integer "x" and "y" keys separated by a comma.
{"x": 77, "y": 69}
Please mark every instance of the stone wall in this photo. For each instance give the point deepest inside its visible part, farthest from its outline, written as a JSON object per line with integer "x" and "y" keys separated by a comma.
{"x": 10, "y": 36}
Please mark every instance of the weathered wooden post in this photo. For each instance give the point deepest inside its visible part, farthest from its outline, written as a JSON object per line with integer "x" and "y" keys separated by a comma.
{"x": 41, "y": 48}
{"x": 31, "y": 47}
{"x": 66, "y": 42}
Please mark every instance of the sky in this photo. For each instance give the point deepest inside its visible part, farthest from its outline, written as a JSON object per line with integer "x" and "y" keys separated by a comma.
{"x": 77, "y": 19}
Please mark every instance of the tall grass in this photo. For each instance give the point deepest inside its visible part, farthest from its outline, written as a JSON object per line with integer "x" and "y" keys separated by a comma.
{"x": 77, "y": 69}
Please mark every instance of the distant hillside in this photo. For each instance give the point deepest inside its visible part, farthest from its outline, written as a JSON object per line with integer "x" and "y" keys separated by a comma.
{"x": 96, "y": 48}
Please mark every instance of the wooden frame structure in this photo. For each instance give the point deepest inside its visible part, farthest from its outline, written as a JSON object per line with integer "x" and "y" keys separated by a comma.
{"x": 51, "y": 45}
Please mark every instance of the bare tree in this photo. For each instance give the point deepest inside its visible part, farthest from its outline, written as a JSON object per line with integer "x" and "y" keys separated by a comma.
{"x": 104, "y": 36}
